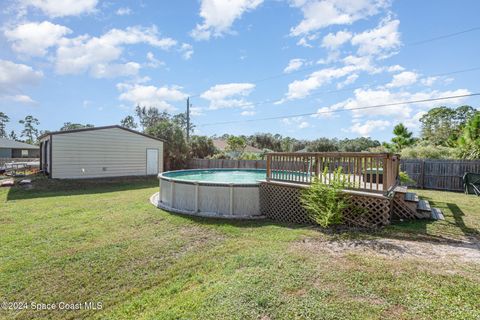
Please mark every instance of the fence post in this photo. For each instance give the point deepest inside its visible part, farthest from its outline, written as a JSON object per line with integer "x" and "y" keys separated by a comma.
{"x": 269, "y": 169}
{"x": 385, "y": 173}
{"x": 422, "y": 174}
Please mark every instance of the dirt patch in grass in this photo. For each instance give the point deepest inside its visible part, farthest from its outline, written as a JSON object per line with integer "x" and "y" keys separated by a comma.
{"x": 465, "y": 251}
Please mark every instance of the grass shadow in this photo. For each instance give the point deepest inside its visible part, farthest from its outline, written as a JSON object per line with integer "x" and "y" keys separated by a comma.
{"x": 458, "y": 215}
{"x": 43, "y": 187}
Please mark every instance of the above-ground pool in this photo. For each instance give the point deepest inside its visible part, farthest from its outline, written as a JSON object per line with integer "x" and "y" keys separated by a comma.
{"x": 228, "y": 193}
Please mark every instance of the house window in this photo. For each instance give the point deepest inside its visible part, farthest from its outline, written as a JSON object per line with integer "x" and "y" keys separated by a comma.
{"x": 24, "y": 153}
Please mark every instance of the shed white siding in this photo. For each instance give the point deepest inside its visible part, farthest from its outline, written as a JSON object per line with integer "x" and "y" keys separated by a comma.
{"x": 109, "y": 152}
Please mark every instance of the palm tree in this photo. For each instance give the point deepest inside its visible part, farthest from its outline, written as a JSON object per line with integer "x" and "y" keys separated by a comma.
{"x": 469, "y": 141}
{"x": 403, "y": 138}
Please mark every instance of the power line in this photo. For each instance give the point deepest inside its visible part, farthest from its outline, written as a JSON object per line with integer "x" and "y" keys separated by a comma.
{"x": 281, "y": 75}
{"x": 342, "y": 110}
{"x": 445, "y": 36}
{"x": 252, "y": 104}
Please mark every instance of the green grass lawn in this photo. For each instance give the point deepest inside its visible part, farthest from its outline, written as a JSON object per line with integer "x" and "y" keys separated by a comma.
{"x": 104, "y": 242}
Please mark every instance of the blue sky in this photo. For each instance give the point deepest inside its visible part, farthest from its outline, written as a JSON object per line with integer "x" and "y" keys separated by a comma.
{"x": 92, "y": 61}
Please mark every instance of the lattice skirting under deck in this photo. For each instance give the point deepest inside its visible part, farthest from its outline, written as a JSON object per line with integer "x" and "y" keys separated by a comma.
{"x": 282, "y": 203}
{"x": 401, "y": 209}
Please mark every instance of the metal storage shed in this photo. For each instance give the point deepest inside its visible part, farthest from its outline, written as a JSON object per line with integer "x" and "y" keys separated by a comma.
{"x": 111, "y": 151}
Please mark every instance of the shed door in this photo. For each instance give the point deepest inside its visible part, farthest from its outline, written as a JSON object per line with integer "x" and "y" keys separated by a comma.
{"x": 152, "y": 161}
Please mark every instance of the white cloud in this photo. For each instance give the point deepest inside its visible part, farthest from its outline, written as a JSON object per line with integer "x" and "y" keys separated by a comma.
{"x": 196, "y": 111}
{"x": 20, "y": 98}
{"x": 302, "y": 88}
{"x": 413, "y": 123}
{"x": 304, "y": 43}
{"x": 228, "y": 95}
{"x": 334, "y": 40}
{"x": 293, "y": 65}
{"x": 395, "y": 68}
{"x": 371, "y": 97}
{"x": 363, "y": 63}
{"x": 306, "y": 39}
{"x": 403, "y": 79}
{"x": 318, "y": 14}
{"x": 377, "y": 43}
{"x": 153, "y": 62}
{"x": 100, "y": 56}
{"x": 61, "y": 8}
{"x": 35, "y": 38}
{"x": 219, "y": 15}
{"x": 248, "y": 113}
{"x": 298, "y": 122}
{"x": 350, "y": 79}
{"x": 13, "y": 77}
{"x": 124, "y": 11}
{"x": 114, "y": 70}
{"x": 151, "y": 96}
{"x": 429, "y": 81}
{"x": 328, "y": 112}
{"x": 303, "y": 125}
{"x": 91, "y": 54}
{"x": 369, "y": 126}
{"x": 187, "y": 51}
{"x": 381, "y": 41}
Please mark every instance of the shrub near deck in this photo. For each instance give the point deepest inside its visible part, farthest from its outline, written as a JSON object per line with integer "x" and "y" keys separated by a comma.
{"x": 103, "y": 241}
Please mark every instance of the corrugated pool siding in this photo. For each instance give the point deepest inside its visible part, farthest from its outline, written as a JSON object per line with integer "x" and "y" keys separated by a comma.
{"x": 102, "y": 153}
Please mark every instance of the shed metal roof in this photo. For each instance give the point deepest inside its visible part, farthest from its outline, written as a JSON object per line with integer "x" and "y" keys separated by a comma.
{"x": 100, "y": 128}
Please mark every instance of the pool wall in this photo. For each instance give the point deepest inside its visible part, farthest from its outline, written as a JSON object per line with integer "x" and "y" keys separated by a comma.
{"x": 226, "y": 200}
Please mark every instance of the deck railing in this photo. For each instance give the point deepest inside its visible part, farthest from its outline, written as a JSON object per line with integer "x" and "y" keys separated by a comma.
{"x": 374, "y": 172}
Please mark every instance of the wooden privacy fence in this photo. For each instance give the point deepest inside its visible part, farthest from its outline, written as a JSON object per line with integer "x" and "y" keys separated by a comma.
{"x": 427, "y": 173}
{"x": 439, "y": 174}
{"x": 374, "y": 172}
{"x": 227, "y": 163}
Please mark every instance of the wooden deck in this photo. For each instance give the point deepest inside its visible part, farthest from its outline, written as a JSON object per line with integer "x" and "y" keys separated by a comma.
{"x": 370, "y": 172}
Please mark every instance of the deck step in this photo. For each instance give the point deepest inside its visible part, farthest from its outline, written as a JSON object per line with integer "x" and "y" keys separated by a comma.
{"x": 437, "y": 214}
{"x": 424, "y": 211}
{"x": 423, "y": 205}
{"x": 401, "y": 189}
{"x": 411, "y": 196}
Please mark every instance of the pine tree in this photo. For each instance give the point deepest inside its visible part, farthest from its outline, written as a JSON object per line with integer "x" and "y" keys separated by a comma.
{"x": 30, "y": 131}
{"x": 3, "y": 124}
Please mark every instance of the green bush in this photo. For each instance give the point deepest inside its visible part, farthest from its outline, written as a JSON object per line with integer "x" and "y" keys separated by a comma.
{"x": 250, "y": 156}
{"x": 405, "y": 179}
{"x": 325, "y": 202}
{"x": 423, "y": 151}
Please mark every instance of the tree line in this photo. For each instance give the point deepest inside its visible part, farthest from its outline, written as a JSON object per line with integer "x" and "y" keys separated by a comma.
{"x": 445, "y": 133}
{"x": 30, "y": 131}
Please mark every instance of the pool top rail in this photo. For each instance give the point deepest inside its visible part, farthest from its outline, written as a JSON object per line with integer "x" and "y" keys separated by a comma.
{"x": 372, "y": 172}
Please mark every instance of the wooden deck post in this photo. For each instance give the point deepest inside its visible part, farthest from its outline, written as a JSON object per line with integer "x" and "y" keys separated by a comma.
{"x": 385, "y": 172}
{"x": 269, "y": 167}
{"x": 317, "y": 166}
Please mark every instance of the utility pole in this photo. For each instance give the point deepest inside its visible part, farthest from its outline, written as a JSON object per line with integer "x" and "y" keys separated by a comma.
{"x": 188, "y": 119}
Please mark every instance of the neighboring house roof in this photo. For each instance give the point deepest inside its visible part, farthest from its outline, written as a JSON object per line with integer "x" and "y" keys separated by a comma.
{"x": 100, "y": 128}
{"x": 12, "y": 144}
{"x": 222, "y": 146}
